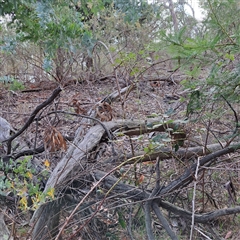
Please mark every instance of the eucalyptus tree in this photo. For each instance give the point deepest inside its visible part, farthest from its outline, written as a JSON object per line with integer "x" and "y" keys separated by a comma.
{"x": 63, "y": 28}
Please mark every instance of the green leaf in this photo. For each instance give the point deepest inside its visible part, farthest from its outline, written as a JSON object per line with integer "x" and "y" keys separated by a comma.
{"x": 121, "y": 220}
{"x": 157, "y": 126}
{"x": 229, "y": 56}
{"x": 47, "y": 64}
{"x": 153, "y": 115}
{"x": 183, "y": 121}
{"x": 159, "y": 137}
{"x": 194, "y": 103}
{"x": 176, "y": 147}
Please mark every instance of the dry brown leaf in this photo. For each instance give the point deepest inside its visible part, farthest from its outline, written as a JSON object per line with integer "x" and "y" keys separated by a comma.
{"x": 155, "y": 84}
{"x": 77, "y": 107}
{"x": 104, "y": 111}
{"x": 228, "y": 235}
{"x": 53, "y": 140}
{"x": 141, "y": 178}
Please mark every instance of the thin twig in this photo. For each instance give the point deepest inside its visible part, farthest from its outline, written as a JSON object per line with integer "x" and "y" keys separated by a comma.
{"x": 194, "y": 196}
{"x": 203, "y": 234}
{"x": 235, "y": 114}
{"x": 115, "y": 73}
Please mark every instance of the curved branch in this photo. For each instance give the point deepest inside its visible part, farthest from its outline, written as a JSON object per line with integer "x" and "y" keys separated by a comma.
{"x": 31, "y": 118}
{"x": 29, "y": 152}
{"x": 200, "y": 218}
{"x": 188, "y": 176}
{"x": 189, "y": 5}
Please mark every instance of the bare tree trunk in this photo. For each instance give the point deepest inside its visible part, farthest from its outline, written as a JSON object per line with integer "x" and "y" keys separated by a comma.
{"x": 173, "y": 14}
{"x": 60, "y": 65}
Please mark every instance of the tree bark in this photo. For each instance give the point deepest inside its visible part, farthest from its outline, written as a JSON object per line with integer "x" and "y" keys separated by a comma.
{"x": 173, "y": 14}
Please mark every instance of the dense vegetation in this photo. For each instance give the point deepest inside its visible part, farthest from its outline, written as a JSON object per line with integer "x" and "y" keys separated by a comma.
{"x": 124, "y": 119}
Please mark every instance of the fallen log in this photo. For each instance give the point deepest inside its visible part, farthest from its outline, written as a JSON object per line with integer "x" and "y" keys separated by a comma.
{"x": 73, "y": 161}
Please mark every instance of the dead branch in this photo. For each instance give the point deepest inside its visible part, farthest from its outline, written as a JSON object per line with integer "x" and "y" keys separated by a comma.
{"x": 200, "y": 218}
{"x": 142, "y": 195}
{"x": 69, "y": 164}
{"x": 31, "y": 118}
{"x": 148, "y": 220}
{"x": 166, "y": 153}
{"x": 28, "y": 152}
{"x": 163, "y": 221}
{"x": 187, "y": 177}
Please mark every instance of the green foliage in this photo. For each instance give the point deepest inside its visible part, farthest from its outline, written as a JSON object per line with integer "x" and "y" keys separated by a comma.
{"x": 11, "y": 83}
{"x": 16, "y": 85}
{"x": 47, "y": 64}
{"x": 150, "y": 148}
{"x": 161, "y": 137}
{"x": 88, "y": 42}
{"x": 134, "y": 11}
{"x": 20, "y": 178}
{"x": 217, "y": 49}
{"x": 127, "y": 60}
{"x": 194, "y": 103}
{"x": 8, "y": 6}
{"x": 57, "y": 24}
{"x": 8, "y": 44}
{"x": 51, "y": 24}
{"x": 6, "y": 79}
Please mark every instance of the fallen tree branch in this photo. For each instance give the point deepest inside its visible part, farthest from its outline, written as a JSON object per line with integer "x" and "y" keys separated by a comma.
{"x": 141, "y": 195}
{"x": 200, "y": 218}
{"x": 167, "y": 153}
{"x": 163, "y": 221}
{"x": 69, "y": 165}
{"x": 31, "y": 118}
{"x": 187, "y": 176}
{"x": 84, "y": 198}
